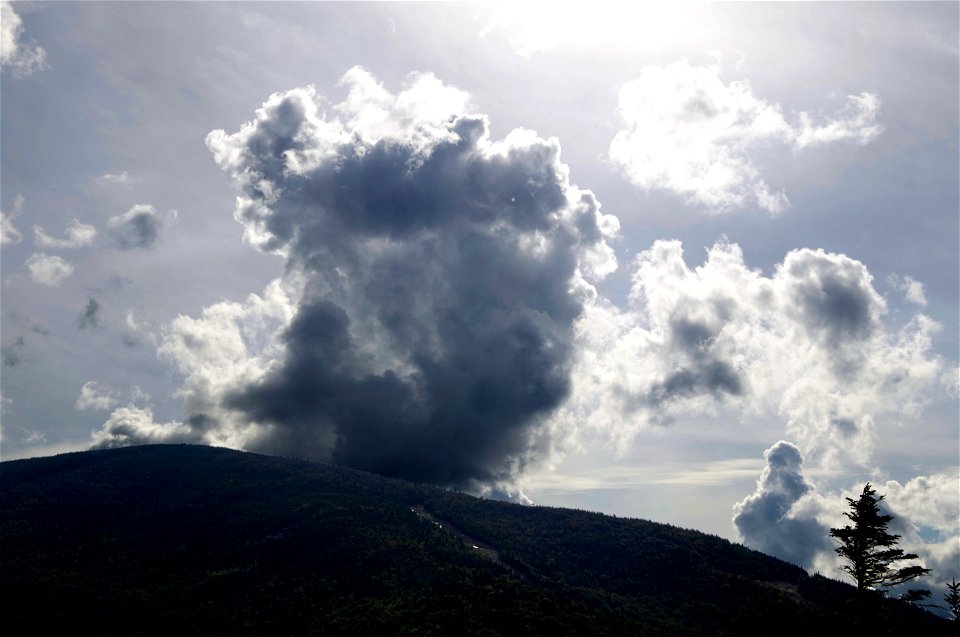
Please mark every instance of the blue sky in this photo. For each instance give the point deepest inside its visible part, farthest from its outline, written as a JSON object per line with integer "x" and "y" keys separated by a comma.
{"x": 696, "y": 264}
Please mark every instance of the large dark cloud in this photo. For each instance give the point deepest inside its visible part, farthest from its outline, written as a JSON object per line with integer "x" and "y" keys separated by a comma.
{"x": 766, "y": 520}
{"x": 441, "y": 281}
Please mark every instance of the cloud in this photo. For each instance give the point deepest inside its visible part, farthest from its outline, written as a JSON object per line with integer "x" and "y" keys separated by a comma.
{"x": 139, "y": 395}
{"x": 10, "y": 353}
{"x": 424, "y": 325}
{"x": 911, "y": 288}
{"x": 133, "y": 425}
{"x": 789, "y": 517}
{"x": 690, "y": 133}
{"x": 618, "y": 477}
{"x": 78, "y": 235}
{"x": 34, "y": 437}
{"x": 926, "y": 512}
{"x": 122, "y": 178}
{"x": 230, "y": 345}
{"x": 95, "y": 396}
{"x": 856, "y": 122}
{"x": 927, "y": 501}
{"x": 89, "y": 316}
{"x": 136, "y": 330}
{"x": 768, "y": 520}
{"x": 8, "y": 233}
{"x": 48, "y": 270}
{"x": 440, "y": 269}
{"x": 139, "y": 227}
{"x": 16, "y": 56}
{"x": 807, "y": 345}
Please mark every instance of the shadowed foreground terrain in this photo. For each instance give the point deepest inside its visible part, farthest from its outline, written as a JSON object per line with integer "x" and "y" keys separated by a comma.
{"x": 196, "y": 540}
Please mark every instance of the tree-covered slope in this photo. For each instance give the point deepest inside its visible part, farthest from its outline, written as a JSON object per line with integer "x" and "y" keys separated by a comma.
{"x": 198, "y": 540}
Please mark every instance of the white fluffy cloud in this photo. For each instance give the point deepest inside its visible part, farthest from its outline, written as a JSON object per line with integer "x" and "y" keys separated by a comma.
{"x": 16, "y": 56}
{"x": 134, "y": 425}
{"x": 230, "y": 345}
{"x": 689, "y": 132}
{"x": 95, "y": 396}
{"x": 48, "y": 269}
{"x": 8, "y": 233}
{"x": 930, "y": 502}
{"x": 927, "y": 517}
{"x": 78, "y": 235}
{"x": 806, "y": 346}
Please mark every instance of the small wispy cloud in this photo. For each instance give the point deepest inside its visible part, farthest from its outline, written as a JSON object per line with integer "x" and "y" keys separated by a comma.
{"x": 137, "y": 330}
{"x": 10, "y": 354}
{"x": 89, "y": 316}
{"x": 911, "y": 288}
{"x": 95, "y": 396}
{"x": 138, "y": 395}
{"x": 122, "y": 178}
{"x": 718, "y": 473}
{"x": 78, "y": 235}
{"x": 33, "y": 437}
{"x": 8, "y": 233}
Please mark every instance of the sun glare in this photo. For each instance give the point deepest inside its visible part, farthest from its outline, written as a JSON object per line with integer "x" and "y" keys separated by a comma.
{"x": 539, "y": 27}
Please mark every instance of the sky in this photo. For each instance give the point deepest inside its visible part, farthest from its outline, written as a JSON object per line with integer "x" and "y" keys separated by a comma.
{"x": 695, "y": 264}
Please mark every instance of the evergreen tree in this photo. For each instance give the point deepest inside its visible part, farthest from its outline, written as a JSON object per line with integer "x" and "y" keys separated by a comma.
{"x": 869, "y": 550}
{"x": 953, "y": 598}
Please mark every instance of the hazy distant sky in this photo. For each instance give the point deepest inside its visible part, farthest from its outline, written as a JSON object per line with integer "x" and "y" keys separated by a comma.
{"x": 698, "y": 264}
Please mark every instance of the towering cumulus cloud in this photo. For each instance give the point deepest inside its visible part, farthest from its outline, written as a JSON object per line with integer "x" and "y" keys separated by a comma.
{"x": 424, "y": 324}
{"x": 789, "y": 517}
{"x": 771, "y": 519}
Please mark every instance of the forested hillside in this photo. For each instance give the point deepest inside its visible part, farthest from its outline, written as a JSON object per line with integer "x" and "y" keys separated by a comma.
{"x": 198, "y": 540}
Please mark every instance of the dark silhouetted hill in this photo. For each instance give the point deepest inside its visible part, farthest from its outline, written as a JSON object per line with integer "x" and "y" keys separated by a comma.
{"x": 192, "y": 540}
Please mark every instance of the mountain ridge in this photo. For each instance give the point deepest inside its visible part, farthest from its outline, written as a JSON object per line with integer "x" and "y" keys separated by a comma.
{"x": 212, "y": 541}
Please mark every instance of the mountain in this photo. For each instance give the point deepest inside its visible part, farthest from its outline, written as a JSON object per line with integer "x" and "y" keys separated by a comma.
{"x": 191, "y": 540}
